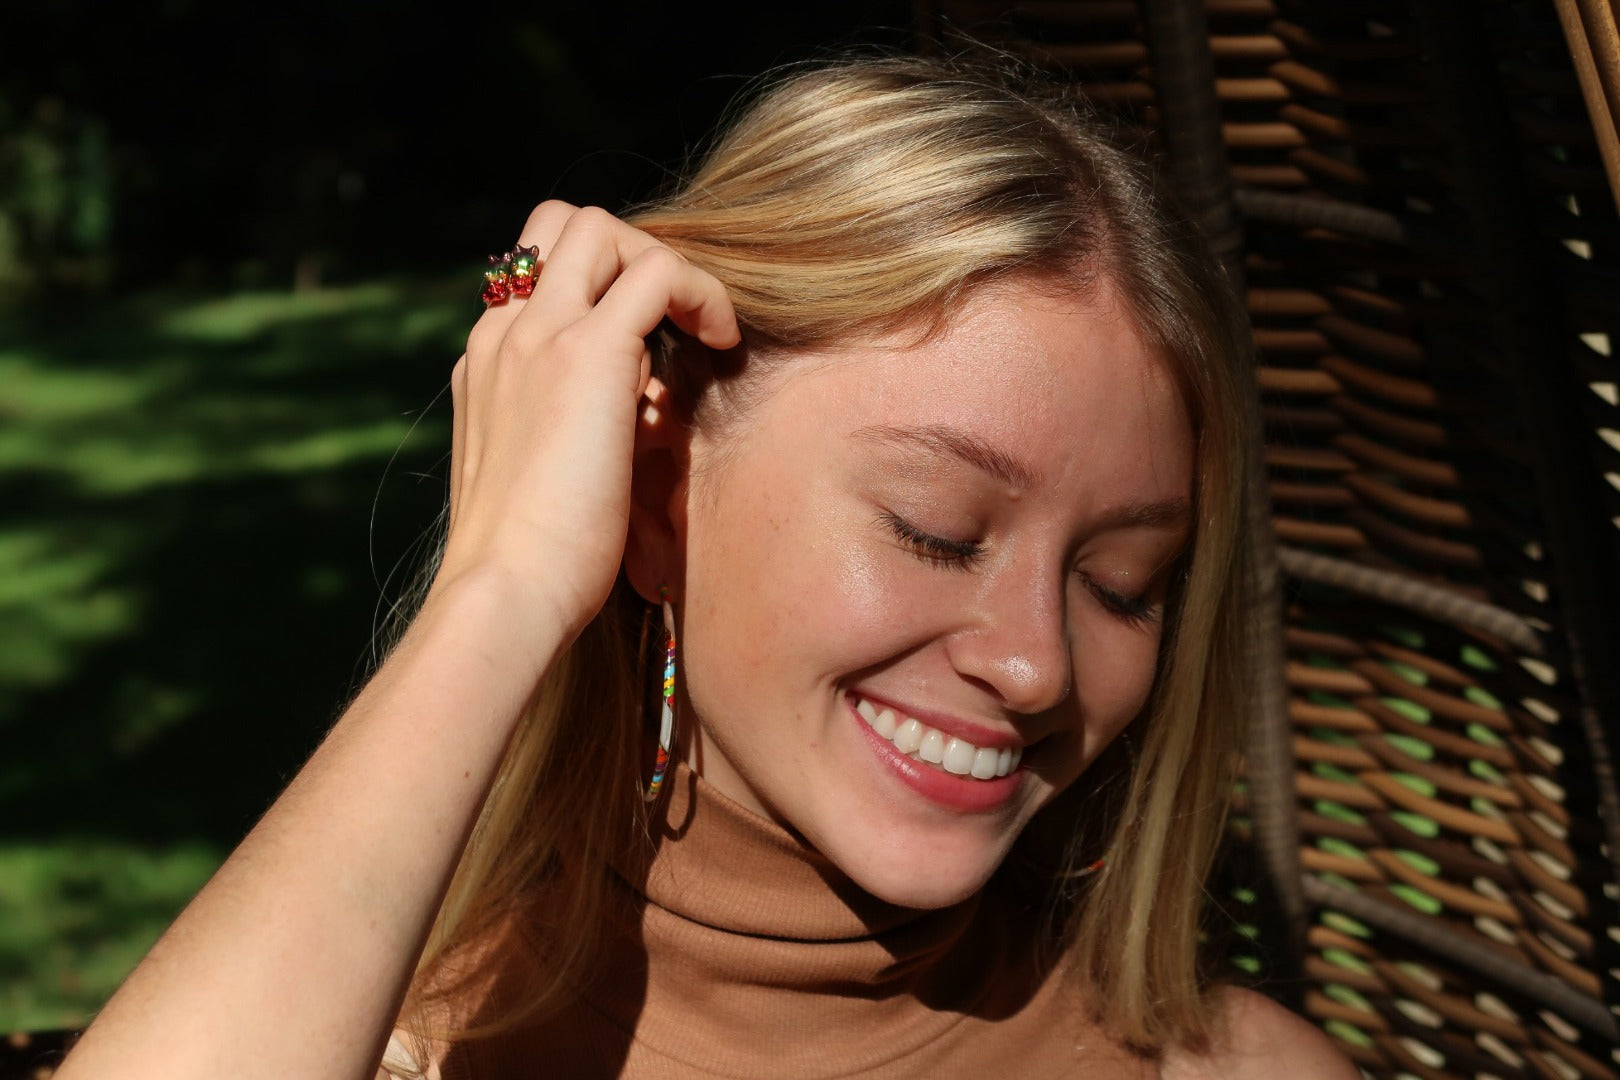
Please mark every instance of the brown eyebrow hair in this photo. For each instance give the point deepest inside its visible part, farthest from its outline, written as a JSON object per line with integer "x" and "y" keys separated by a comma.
{"x": 1169, "y": 513}
{"x": 960, "y": 445}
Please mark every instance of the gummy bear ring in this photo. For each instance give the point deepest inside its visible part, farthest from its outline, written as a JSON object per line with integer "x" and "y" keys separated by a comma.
{"x": 511, "y": 274}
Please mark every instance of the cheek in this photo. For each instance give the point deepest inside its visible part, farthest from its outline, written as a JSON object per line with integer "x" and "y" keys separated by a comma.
{"x": 1115, "y": 668}
{"x": 736, "y": 600}
{"x": 799, "y": 588}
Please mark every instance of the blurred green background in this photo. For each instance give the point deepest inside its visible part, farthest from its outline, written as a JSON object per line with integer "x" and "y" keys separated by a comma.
{"x": 239, "y": 252}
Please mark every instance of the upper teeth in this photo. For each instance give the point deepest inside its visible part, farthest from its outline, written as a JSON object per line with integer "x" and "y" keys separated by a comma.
{"x": 912, "y": 736}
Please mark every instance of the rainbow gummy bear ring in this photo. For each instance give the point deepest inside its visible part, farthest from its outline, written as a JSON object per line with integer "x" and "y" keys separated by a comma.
{"x": 511, "y": 274}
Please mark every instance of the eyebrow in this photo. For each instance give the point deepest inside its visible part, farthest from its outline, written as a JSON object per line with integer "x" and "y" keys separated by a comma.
{"x": 958, "y": 444}
{"x": 1168, "y": 513}
{"x": 1174, "y": 513}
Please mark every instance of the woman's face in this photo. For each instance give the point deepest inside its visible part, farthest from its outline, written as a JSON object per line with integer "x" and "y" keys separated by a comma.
{"x": 974, "y": 534}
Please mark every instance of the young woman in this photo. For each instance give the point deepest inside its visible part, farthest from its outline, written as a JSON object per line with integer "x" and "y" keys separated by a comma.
{"x": 900, "y": 452}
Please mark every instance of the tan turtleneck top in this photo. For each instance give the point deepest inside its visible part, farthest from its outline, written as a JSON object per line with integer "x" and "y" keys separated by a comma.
{"x": 742, "y": 952}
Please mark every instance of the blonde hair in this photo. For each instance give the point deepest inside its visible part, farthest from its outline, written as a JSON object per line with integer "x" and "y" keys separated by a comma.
{"x": 852, "y": 200}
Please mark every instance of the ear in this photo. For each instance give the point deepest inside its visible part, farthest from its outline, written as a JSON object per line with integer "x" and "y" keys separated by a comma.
{"x": 655, "y": 547}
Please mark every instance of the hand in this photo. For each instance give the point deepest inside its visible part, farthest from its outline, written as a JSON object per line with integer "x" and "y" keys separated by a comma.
{"x": 547, "y": 400}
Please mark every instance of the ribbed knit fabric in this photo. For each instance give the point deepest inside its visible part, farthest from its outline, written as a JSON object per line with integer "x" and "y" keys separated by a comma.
{"x": 749, "y": 955}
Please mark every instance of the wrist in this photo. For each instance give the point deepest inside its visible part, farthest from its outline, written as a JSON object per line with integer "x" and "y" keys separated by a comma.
{"x": 506, "y": 620}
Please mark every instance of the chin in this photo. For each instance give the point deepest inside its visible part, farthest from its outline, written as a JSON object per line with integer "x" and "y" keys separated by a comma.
{"x": 911, "y": 878}
{"x": 924, "y": 896}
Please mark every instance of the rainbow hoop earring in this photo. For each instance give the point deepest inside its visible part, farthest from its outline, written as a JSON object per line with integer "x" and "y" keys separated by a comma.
{"x": 666, "y": 721}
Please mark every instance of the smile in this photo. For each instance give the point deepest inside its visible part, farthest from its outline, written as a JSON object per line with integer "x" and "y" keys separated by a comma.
{"x": 949, "y": 753}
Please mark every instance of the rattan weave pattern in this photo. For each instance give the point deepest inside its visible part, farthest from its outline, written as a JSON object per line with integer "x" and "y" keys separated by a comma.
{"x": 1432, "y": 261}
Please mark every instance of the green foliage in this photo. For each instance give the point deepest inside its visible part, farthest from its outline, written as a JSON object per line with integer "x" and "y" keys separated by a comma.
{"x": 56, "y": 198}
{"x": 205, "y": 496}
{"x": 79, "y": 915}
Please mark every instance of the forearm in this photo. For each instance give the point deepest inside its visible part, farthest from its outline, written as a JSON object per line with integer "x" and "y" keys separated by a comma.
{"x": 294, "y": 958}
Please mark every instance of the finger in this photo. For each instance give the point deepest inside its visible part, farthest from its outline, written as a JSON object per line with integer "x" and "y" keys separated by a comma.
{"x": 458, "y": 434}
{"x": 658, "y": 282}
{"x": 590, "y": 252}
{"x": 540, "y": 231}
{"x": 545, "y": 224}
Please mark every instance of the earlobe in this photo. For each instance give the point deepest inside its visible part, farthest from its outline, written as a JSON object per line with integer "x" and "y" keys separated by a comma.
{"x": 654, "y": 550}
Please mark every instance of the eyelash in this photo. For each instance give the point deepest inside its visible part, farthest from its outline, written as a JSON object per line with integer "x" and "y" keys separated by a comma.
{"x": 962, "y": 554}
{"x": 936, "y": 550}
{"x": 1138, "y": 611}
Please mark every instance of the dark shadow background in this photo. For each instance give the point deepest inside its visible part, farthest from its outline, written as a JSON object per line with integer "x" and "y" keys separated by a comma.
{"x": 239, "y": 252}
{"x": 364, "y": 132}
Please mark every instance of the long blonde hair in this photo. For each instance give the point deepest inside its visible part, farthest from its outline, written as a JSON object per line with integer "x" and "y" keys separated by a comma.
{"x": 850, "y": 200}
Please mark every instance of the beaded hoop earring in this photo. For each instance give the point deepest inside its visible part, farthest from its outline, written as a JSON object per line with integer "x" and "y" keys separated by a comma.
{"x": 666, "y": 720}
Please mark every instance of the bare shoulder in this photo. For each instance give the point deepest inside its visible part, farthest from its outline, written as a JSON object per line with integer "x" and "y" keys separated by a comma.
{"x": 1262, "y": 1039}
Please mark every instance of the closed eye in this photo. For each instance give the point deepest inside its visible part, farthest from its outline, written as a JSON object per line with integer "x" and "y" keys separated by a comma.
{"x": 1138, "y": 611}
{"x": 939, "y": 550}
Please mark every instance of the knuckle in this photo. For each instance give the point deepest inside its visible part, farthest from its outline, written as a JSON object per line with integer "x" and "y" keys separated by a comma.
{"x": 481, "y": 338}
{"x": 514, "y": 348}
{"x": 571, "y": 339}
{"x": 660, "y": 260}
{"x": 548, "y": 216}
{"x": 592, "y": 219}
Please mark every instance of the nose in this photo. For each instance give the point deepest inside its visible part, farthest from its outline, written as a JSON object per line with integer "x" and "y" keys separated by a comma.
{"x": 1017, "y": 644}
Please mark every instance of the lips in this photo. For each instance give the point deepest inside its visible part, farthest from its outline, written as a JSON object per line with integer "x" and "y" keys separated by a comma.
{"x": 959, "y": 792}
{"x": 925, "y": 743}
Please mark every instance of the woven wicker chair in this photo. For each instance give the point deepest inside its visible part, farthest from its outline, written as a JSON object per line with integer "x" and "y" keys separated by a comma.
{"x": 1413, "y": 194}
